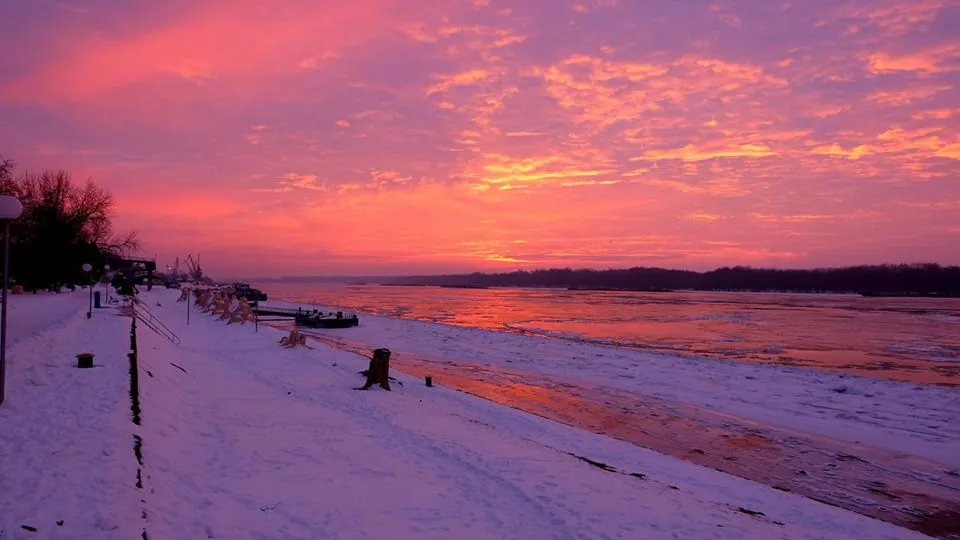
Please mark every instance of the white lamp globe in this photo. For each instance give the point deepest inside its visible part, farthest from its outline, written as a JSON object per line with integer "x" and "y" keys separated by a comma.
{"x": 106, "y": 267}
{"x": 87, "y": 268}
{"x": 10, "y": 207}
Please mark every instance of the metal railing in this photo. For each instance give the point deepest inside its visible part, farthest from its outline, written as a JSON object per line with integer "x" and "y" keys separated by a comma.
{"x": 142, "y": 312}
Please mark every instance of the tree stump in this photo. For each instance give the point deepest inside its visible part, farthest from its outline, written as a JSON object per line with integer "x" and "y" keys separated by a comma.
{"x": 379, "y": 370}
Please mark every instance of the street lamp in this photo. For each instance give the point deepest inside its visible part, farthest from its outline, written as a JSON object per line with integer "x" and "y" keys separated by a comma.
{"x": 106, "y": 282}
{"x": 89, "y": 269}
{"x": 10, "y": 209}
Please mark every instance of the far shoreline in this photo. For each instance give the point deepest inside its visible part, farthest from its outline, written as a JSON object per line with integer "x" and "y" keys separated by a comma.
{"x": 785, "y": 292}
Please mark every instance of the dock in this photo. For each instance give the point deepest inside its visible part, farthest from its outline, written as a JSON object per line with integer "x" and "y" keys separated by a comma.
{"x": 278, "y": 312}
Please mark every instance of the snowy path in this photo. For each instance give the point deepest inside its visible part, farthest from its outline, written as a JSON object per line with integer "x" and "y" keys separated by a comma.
{"x": 256, "y": 441}
{"x": 66, "y": 438}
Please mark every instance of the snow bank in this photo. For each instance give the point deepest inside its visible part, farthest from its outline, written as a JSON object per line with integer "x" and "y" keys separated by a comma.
{"x": 30, "y": 314}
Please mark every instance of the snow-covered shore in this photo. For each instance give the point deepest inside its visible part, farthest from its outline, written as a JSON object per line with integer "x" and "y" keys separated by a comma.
{"x": 916, "y": 420}
{"x": 245, "y": 439}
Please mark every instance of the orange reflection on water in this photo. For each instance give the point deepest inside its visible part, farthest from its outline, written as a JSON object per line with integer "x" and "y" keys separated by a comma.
{"x": 906, "y": 339}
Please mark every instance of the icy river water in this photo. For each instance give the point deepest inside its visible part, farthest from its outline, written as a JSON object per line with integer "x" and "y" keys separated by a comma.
{"x": 908, "y": 339}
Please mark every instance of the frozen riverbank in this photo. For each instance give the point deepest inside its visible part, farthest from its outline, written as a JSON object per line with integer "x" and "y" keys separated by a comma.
{"x": 886, "y": 478}
{"x": 912, "y": 419}
{"x": 245, "y": 439}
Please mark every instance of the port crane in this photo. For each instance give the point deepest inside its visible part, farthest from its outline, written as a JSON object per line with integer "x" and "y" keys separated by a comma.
{"x": 195, "y": 272}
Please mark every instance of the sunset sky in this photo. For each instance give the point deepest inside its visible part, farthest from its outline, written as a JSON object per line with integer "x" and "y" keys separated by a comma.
{"x": 321, "y": 137}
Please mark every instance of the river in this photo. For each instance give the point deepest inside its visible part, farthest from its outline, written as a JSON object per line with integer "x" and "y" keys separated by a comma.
{"x": 907, "y": 339}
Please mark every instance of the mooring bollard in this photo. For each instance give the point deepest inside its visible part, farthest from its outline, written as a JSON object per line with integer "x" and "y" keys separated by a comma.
{"x": 85, "y": 360}
{"x": 429, "y": 381}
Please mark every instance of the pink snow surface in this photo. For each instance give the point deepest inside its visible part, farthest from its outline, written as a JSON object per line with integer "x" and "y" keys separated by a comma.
{"x": 253, "y": 441}
{"x": 66, "y": 438}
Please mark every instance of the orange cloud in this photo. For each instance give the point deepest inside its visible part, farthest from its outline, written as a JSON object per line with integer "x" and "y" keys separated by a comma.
{"x": 939, "y": 59}
{"x": 797, "y": 218}
{"x": 692, "y": 153}
{"x": 704, "y": 217}
{"x": 477, "y": 37}
{"x": 465, "y": 78}
{"x": 505, "y": 172}
{"x": 838, "y": 151}
{"x": 909, "y": 95}
{"x": 714, "y": 187}
{"x": 934, "y": 114}
{"x": 607, "y": 91}
{"x": 920, "y": 140}
{"x": 293, "y": 181}
{"x": 951, "y": 151}
{"x": 893, "y": 17}
{"x": 910, "y": 145}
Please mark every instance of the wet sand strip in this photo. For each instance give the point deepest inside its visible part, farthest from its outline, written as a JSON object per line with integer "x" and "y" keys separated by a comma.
{"x": 900, "y": 489}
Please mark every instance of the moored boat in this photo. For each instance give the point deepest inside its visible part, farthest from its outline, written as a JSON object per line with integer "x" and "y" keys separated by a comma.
{"x": 244, "y": 290}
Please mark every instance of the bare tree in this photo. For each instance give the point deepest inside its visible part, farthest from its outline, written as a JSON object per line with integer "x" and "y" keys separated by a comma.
{"x": 63, "y": 226}
{"x": 6, "y": 173}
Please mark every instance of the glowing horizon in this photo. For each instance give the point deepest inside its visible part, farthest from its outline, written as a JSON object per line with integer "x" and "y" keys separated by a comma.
{"x": 380, "y": 137}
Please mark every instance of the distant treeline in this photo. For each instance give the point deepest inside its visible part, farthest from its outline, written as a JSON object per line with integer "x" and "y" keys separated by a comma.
{"x": 924, "y": 279}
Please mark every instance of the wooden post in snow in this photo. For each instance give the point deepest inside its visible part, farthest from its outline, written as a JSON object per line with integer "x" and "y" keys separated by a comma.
{"x": 379, "y": 371}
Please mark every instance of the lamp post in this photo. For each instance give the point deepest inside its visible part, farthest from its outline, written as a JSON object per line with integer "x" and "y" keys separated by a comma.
{"x": 89, "y": 269}
{"x": 10, "y": 209}
{"x": 106, "y": 282}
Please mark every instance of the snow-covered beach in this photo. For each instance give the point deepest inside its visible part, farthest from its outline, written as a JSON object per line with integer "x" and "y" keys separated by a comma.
{"x": 921, "y": 420}
{"x": 884, "y": 448}
{"x": 244, "y": 439}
